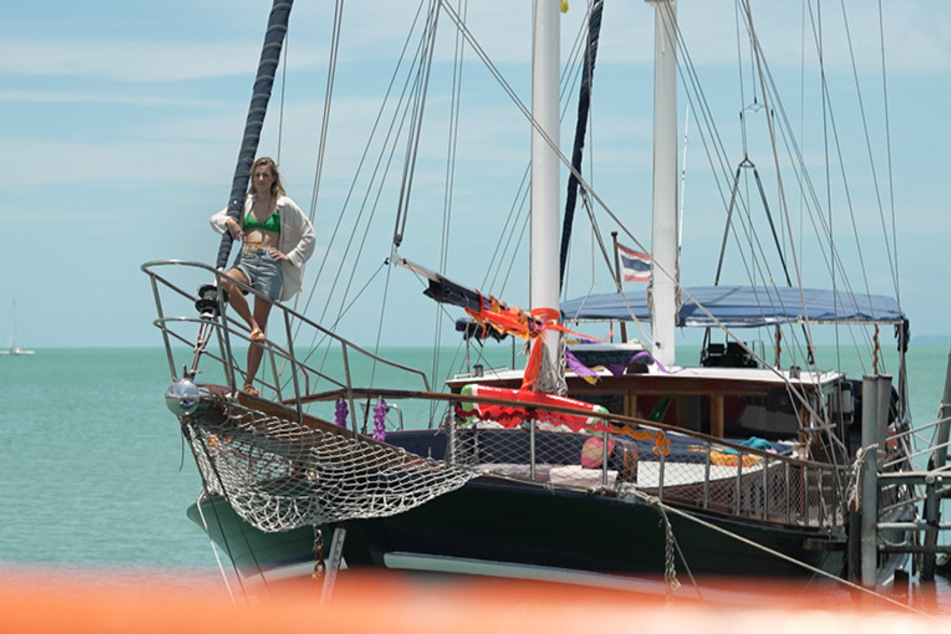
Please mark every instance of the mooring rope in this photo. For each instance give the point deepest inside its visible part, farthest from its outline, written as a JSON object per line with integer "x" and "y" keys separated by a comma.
{"x": 785, "y": 557}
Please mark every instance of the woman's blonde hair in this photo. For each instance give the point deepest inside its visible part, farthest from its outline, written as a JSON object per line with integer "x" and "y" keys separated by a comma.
{"x": 277, "y": 189}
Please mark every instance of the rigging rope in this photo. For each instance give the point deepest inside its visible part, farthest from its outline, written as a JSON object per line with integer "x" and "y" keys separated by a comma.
{"x": 214, "y": 550}
{"x": 420, "y": 90}
{"x": 505, "y": 255}
{"x": 463, "y": 30}
{"x": 371, "y": 197}
{"x": 483, "y": 56}
{"x": 792, "y": 560}
{"x": 868, "y": 144}
{"x": 328, "y": 95}
{"x": 888, "y": 152}
{"x": 671, "y": 585}
{"x": 694, "y": 90}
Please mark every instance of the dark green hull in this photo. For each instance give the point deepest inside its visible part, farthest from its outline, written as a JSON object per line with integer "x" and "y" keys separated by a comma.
{"x": 498, "y": 522}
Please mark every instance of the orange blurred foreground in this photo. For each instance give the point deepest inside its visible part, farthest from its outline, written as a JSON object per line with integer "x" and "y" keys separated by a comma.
{"x": 41, "y": 602}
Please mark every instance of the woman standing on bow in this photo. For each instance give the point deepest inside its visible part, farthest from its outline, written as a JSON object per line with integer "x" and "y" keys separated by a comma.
{"x": 276, "y": 240}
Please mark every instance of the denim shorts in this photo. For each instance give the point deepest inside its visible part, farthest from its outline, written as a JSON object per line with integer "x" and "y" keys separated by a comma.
{"x": 263, "y": 271}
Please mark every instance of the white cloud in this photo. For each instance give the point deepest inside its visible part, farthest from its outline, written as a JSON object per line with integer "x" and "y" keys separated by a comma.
{"x": 132, "y": 61}
{"x": 66, "y": 97}
{"x": 43, "y": 162}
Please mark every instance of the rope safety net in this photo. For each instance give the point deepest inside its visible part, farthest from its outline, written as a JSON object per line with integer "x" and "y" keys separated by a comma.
{"x": 279, "y": 475}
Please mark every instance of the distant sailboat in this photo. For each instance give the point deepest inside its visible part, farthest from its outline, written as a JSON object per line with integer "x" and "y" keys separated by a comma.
{"x": 14, "y": 348}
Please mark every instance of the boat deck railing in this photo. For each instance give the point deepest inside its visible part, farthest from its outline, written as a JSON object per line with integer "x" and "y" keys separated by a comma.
{"x": 299, "y": 357}
{"x": 686, "y": 470}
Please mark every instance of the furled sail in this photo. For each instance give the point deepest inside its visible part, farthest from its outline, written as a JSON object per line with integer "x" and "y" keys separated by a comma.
{"x": 267, "y": 68}
{"x": 581, "y": 126}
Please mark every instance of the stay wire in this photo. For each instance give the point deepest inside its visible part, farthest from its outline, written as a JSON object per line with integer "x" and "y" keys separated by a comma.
{"x": 888, "y": 152}
{"x": 374, "y": 191}
{"x": 868, "y": 142}
{"x": 769, "y": 83}
{"x": 421, "y": 86}
{"x": 328, "y": 100}
{"x": 699, "y": 103}
{"x": 376, "y": 182}
{"x": 360, "y": 167}
{"x": 607, "y": 258}
{"x": 594, "y": 195}
{"x": 452, "y": 142}
{"x": 502, "y": 258}
{"x": 708, "y": 132}
{"x": 500, "y": 253}
{"x": 714, "y": 147}
{"x": 743, "y": 216}
{"x": 688, "y": 74}
{"x": 319, "y": 339}
{"x": 784, "y": 208}
{"x": 324, "y": 126}
{"x": 837, "y": 264}
{"x": 838, "y": 148}
{"x": 535, "y": 125}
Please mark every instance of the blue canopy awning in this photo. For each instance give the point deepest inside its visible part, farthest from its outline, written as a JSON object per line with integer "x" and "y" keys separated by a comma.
{"x": 743, "y": 306}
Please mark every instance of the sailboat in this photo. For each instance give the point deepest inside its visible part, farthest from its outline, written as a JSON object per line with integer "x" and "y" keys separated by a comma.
{"x": 14, "y": 349}
{"x": 620, "y": 469}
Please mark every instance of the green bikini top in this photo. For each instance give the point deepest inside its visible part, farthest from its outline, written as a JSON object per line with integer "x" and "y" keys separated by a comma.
{"x": 272, "y": 224}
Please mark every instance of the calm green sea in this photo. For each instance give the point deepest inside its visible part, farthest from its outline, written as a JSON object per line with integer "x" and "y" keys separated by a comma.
{"x": 92, "y": 463}
{"x": 95, "y": 473}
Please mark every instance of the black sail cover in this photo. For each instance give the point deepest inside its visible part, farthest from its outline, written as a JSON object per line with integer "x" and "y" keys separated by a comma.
{"x": 584, "y": 104}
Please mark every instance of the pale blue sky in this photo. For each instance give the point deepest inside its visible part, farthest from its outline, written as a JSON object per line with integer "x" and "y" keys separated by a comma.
{"x": 122, "y": 122}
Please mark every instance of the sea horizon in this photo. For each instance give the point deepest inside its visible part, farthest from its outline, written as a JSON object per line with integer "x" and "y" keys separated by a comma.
{"x": 684, "y": 340}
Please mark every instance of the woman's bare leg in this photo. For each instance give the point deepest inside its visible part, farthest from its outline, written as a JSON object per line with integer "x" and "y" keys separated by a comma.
{"x": 236, "y": 297}
{"x": 262, "y": 309}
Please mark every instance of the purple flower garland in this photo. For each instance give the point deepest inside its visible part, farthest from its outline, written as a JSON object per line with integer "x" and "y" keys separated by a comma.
{"x": 379, "y": 420}
{"x": 340, "y": 413}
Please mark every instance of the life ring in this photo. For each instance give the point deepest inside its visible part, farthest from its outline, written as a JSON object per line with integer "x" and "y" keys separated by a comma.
{"x": 524, "y": 400}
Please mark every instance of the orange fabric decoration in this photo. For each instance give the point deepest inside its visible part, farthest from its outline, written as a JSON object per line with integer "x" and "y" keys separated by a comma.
{"x": 516, "y": 321}
{"x": 534, "y": 365}
{"x": 525, "y": 325}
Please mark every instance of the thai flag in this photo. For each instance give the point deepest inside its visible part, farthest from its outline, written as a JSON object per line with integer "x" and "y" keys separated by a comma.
{"x": 636, "y": 265}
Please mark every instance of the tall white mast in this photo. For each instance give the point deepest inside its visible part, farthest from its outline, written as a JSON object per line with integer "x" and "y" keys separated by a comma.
{"x": 665, "y": 268}
{"x": 546, "y": 167}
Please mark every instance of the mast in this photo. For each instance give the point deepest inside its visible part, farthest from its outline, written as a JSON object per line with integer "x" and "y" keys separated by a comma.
{"x": 545, "y": 173}
{"x": 665, "y": 266}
